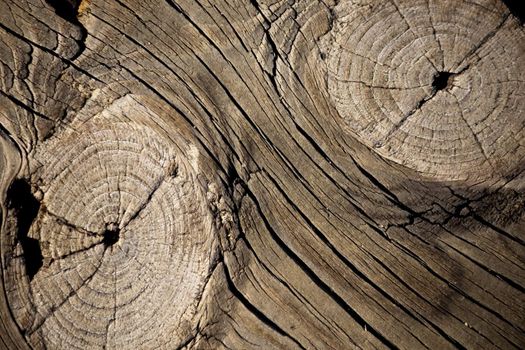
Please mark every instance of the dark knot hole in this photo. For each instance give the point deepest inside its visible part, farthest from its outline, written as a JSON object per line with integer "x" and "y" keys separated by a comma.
{"x": 26, "y": 207}
{"x": 111, "y": 235}
{"x": 441, "y": 80}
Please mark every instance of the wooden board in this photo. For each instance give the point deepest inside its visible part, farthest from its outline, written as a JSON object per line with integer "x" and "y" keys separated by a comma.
{"x": 269, "y": 174}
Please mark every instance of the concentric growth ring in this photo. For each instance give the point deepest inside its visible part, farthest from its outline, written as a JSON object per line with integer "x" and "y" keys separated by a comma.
{"x": 436, "y": 88}
{"x": 125, "y": 235}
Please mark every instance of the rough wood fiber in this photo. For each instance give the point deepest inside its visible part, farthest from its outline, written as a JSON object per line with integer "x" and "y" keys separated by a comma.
{"x": 262, "y": 174}
{"x": 449, "y": 113}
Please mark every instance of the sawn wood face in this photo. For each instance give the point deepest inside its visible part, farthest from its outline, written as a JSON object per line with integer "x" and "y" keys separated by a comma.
{"x": 303, "y": 174}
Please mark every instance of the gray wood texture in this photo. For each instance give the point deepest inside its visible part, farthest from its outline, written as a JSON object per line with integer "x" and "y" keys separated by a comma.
{"x": 234, "y": 174}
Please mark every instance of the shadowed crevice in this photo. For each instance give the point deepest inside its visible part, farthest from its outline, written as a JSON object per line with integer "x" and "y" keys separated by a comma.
{"x": 25, "y": 207}
{"x": 516, "y": 8}
{"x": 441, "y": 81}
{"x": 111, "y": 235}
{"x": 68, "y": 10}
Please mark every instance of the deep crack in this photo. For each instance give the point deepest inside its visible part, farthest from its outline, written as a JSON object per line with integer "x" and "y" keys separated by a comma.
{"x": 69, "y": 11}
{"x": 26, "y": 208}
{"x": 442, "y": 80}
{"x": 517, "y": 9}
{"x": 111, "y": 235}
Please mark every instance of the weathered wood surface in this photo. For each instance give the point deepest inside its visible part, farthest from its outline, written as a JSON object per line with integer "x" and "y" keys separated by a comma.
{"x": 265, "y": 174}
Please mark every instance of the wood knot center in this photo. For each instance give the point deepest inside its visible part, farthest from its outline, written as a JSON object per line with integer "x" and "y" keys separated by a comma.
{"x": 111, "y": 235}
{"x": 442, "y": 80}
{"x": 433, "y": 103}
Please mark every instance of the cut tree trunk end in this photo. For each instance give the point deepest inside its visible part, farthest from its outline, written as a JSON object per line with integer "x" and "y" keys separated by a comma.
{"x": 262, "y": 174}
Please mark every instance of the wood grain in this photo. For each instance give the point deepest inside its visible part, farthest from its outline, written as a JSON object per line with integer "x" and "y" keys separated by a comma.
{"x": 262, "y": 174}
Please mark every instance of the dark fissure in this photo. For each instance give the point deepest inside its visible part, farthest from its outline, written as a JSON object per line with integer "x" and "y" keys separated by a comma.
{"x": 441, "y": 81}
{"x": 66, "y": 9}
{"x": 25, "y": 207}
{"x": 111, "y": 235}
{"x": 517, "y": 9}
